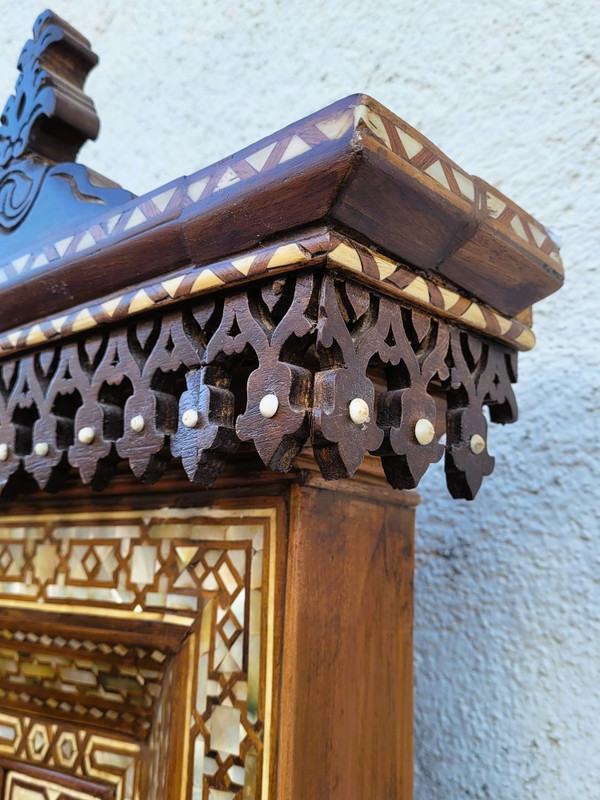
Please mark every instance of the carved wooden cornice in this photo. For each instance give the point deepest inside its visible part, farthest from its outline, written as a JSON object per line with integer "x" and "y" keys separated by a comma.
{"x": 341, "y": 284}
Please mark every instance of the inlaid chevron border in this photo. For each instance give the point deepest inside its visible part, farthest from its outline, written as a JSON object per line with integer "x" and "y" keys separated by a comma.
{"x": 167, "y": 202}
{"x": 319, "y": 247}
{"x": 429, "y": 295}
{"x": 499, "y": 211}
{"x": 190, "y": 283}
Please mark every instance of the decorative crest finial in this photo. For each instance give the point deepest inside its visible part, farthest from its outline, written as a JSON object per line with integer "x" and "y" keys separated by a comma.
{"x": 49, "y": 115}
{"x": 42, "y": 128}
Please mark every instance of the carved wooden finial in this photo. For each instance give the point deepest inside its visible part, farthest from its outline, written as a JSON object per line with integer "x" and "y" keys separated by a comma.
{"x": 42, "y": 128}
{"x": 49, "y": 115}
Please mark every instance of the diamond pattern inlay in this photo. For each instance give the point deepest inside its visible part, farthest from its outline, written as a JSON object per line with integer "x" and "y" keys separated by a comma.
{"x": 196, "y": 571}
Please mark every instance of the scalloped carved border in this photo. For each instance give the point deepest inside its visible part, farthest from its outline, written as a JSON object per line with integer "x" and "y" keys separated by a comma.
{"x": 282, "y": 364}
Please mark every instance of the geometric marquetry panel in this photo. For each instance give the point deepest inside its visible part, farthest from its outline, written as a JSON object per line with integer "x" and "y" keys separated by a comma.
{"x": 107, "y": 685}
{"x": 19, "y": 786}
{"x": 186, "y": 716}
{"x": 108, "y": 758}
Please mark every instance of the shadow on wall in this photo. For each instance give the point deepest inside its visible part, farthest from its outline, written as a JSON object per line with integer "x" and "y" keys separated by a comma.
{"x": 506, "y": 622}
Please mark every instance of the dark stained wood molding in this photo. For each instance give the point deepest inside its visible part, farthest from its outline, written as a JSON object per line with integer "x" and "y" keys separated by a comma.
{"x": 308, "y": 248}
{"x": 348, "y": 182}
{"x": 354, "y": 166}
{"x": 302, "y": 292}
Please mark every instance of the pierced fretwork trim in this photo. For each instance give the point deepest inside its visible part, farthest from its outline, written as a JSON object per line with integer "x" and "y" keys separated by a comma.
{"x": 300, "y": 347}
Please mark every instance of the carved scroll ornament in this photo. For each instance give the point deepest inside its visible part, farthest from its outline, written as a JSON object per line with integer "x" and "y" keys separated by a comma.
{"x": 286, "y": 363}
{"x": 48, "y": 118}
{"x": 43, "y": 126}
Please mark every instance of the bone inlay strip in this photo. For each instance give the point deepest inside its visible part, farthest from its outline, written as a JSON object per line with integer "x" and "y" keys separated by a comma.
{"x": 310, "y": 249}
{"x": 167, "y": 202}
{"x": 438, "y": 299}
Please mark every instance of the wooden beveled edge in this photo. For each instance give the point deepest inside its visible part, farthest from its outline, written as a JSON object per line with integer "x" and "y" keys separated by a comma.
{"x": 76, "y": 622}
{"x": 244, "y": 479}
{"x": 446, "y": 178}
{"x": 43, "y": 775}
{"x": 368, "y": 481}
{"x": 221, "y": 209}
{"x": 312, "y": 248}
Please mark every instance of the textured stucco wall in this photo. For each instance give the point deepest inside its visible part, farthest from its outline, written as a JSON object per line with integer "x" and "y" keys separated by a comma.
{"x": 508, "y": 587}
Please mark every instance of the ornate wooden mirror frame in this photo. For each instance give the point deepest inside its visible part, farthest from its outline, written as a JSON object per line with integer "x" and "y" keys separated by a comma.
{"x": 297, "y": 326}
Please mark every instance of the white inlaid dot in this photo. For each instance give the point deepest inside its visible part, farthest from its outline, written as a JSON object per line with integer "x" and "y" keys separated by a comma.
{"x": 477, "y": 444}
{"x": 137, "y": 423}
{"x": 41, "y": 449}
{"x": 3, "y": 451}
{"x": 268, "y": 405}
{"x": 190, "y": 418}
{"x": 424, "y": 431}
{"x": 86, "y": 435}
{"x": 359, "y": 411}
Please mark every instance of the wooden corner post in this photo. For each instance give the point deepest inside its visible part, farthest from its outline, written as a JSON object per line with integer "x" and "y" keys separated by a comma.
{"x": 346, "y": 699}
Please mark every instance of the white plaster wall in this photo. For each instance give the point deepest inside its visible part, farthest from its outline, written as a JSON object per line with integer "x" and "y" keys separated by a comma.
{"x": 507, "y": 626}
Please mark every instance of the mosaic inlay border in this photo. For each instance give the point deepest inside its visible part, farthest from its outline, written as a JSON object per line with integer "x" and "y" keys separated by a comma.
{"x": 308, "y": 250}
{"x": 113, "y": 759}
{"x": 225, "y": 557}
{"x": 168, "y": 202}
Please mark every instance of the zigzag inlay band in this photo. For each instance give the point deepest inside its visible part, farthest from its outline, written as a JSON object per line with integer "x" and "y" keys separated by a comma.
{"x": 320, "y": 247}
{"x": 167, "y": 202}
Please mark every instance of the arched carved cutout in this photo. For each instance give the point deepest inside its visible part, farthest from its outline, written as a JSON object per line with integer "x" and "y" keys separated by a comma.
{"x": 304, "y": 348}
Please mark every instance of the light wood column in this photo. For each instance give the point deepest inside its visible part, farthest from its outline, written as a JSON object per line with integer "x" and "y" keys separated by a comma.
{"x": 347, "y": 677}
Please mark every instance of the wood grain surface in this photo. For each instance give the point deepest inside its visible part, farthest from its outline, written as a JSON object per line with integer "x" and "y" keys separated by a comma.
{"x": 346, "y": 719}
